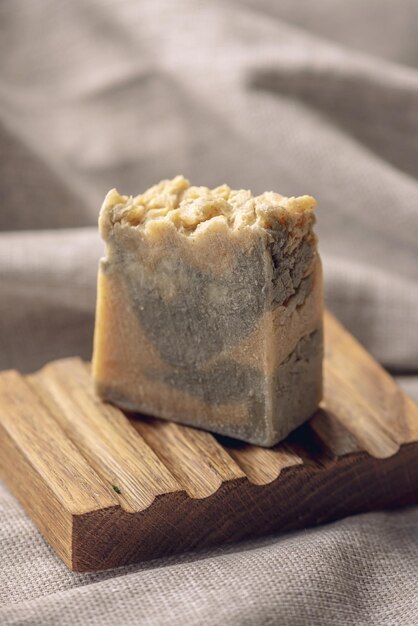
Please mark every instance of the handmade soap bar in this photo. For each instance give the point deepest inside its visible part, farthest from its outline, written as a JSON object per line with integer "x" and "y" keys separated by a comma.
{"x": 209, "y": 309}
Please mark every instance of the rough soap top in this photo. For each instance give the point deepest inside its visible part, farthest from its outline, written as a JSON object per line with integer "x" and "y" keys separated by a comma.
{"x": 190, "y": 209}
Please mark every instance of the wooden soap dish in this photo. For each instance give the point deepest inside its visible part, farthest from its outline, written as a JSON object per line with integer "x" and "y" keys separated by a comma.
{"x": 107, "y": 489}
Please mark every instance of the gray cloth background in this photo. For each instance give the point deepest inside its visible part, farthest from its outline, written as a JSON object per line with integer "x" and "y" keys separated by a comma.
{"x": 317, "y": 97}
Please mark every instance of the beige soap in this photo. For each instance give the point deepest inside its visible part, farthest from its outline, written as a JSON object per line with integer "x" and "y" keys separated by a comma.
{"x": 210, "y": 308}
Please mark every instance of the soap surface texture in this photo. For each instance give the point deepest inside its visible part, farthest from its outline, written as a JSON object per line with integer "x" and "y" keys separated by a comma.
{"x": 209, "y": 309}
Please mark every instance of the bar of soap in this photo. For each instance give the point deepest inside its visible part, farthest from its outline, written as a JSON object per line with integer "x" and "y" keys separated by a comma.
{"x": 210, "y": 309}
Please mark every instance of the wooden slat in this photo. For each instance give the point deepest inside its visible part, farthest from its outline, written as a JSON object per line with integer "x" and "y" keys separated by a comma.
{"x": 261, "y": 465}
{"x": 357, "y": 415}
{"x": 193, "y": 456}
{"x": 358, "y": 372}
{"x": 410, "y": 417}
{"x": 48, "y": 450}
{"x": 103, "y": 434}
{"x": 333, "y": 434}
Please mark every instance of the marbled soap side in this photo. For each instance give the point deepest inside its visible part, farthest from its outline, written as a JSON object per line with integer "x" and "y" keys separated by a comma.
{"x": 209, "y": 309}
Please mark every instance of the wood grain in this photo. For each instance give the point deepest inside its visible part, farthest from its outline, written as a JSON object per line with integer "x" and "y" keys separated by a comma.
{"x": 104, "y": 436}
{"x": 107, "y": 488}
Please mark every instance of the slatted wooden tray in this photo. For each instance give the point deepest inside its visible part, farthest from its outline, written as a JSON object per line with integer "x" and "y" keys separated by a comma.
{"x": 106, "y": 489}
